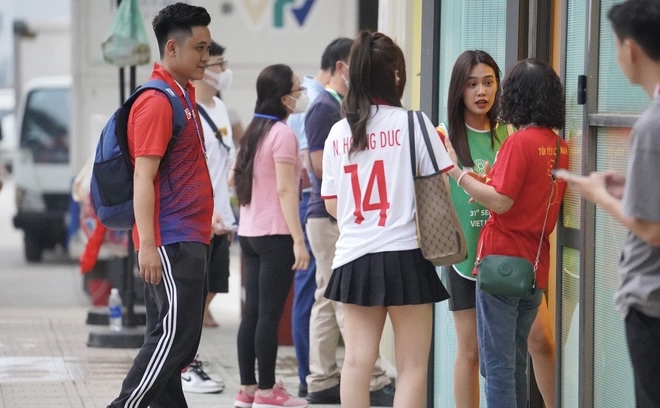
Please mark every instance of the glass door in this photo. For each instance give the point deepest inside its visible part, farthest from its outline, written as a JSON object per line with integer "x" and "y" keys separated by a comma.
{"x": 601, "y": 107}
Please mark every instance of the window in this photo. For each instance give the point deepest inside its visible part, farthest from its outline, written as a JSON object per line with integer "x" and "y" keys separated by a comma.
{"x": 45, "y": 128}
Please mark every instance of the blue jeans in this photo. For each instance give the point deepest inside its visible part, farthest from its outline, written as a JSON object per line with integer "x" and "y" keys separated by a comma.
{"x": 503, "y": 325}
{"x": 304, "y": 286}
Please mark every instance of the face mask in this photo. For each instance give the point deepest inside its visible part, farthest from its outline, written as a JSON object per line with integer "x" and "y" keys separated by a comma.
{"x": 346, "y": 81}
{"x": 301, "y": 103}
{"x": 219, "y": 80}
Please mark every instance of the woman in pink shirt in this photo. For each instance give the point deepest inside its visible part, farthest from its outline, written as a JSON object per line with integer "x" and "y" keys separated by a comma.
{"x": 267, "y": 180}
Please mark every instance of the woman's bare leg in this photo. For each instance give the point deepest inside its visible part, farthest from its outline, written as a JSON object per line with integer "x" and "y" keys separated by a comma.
{"x": 541, "y": 346}
{"x": 466, "y": 366}
{"x": 363, "y": 327}
{"x": 412, "y": 326}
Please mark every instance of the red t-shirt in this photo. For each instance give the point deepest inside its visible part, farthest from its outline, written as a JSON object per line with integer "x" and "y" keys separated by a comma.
{"x": 522, "y": 172}
{"x": 184, "y": 195}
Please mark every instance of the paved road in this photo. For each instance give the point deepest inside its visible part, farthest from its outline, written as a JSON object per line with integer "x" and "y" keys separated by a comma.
{"x": 44, "y": 359}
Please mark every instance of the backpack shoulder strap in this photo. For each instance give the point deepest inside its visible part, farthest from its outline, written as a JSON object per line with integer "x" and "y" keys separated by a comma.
{"x": 178, "y": 113}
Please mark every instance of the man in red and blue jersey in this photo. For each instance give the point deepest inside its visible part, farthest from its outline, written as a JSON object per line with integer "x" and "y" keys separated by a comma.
{"x": 173, "y": 202}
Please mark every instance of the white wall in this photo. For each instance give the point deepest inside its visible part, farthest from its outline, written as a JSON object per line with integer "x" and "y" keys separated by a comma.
{"x": 248, "y": 29}
{"x": 12, "y": 9}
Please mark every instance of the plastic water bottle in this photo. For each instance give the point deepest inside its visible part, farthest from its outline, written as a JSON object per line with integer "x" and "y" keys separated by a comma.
{"x": 114, "y": 310}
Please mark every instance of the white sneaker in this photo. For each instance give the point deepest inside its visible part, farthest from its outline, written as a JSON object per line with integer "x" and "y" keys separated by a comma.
{"x": 194, "y": 379}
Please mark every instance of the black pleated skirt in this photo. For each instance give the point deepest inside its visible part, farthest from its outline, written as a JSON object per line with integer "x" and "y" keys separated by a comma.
{"x": 394, "y": 278}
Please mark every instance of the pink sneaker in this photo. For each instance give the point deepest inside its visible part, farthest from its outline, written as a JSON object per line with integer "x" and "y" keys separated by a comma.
{"x": 243, "y": 400}
{"x": 277, "y": 398}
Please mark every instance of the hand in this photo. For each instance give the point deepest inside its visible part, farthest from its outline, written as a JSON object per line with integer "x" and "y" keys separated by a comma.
{"x": 217, "y": 226}
{"x": 451, "y": 151}
{"x": 301, "y": 255}
{"x": 482, "y": 178}
{"x": 592, "y": 187}
{"x": 150, "y": 267}
{"x": 614, "y": 183}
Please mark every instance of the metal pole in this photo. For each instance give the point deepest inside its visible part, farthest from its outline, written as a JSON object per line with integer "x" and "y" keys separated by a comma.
{"x": 129, "y": 302}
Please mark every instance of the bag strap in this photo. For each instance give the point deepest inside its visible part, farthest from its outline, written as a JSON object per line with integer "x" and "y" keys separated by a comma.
{"x": 411, "y": 137}
{"x": 547, "y": 208}
{"x": 212, "y": 124}
{"x": 178, "y": 112}
{"x": 427, "y": 141}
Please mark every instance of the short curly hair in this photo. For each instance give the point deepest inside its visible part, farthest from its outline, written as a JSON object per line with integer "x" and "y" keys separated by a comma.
{"x": 533, "y": 94}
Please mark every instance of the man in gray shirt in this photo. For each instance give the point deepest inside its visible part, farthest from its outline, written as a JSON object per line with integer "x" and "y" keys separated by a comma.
{"x": 635, "y": 201}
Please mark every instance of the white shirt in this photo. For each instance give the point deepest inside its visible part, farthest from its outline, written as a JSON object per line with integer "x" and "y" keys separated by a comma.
{"x": 219, "y": 159}
{"x": 379, "y": 180}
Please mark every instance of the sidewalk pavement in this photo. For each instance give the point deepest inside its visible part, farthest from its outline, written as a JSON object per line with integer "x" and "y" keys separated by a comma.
{"x": 45, "y": 362}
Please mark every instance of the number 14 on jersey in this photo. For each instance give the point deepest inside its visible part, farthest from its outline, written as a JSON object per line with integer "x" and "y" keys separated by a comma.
{"x": 364, "y": 203}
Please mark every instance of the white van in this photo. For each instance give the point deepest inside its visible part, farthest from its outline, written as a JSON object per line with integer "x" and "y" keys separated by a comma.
{"x": 41, "y": 166}
{"x": 8, "y": 143}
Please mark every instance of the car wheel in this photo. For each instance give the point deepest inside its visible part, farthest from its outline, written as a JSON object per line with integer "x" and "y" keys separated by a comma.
{"x": 33, "y": 249}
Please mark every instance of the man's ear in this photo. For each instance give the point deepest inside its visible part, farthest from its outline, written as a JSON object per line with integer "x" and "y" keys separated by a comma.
{"x": 338, "y": 65}
{"x": 627, "y": 46}
{"x": 171, "y": 47}
{"x": 633, "y": 49}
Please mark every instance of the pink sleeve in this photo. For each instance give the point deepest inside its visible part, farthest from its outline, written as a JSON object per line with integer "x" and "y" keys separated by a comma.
{"x": 285, "y": 145}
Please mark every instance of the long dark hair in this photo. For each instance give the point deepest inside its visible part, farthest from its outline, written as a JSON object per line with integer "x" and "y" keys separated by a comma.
{"x": 273, "y": 83}
{"x": 374, "y": 60}
{"x": 456, "y": 105}
{"x": 532, "y": 94}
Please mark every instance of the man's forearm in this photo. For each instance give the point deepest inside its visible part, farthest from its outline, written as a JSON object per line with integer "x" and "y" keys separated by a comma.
{"x": 144, "y": 204}
{"x": 646, "y": 230}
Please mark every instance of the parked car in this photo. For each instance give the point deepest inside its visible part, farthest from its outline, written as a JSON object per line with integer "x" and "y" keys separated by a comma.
{"x": 8, "y": 142}
{"x": 41, "y": 166}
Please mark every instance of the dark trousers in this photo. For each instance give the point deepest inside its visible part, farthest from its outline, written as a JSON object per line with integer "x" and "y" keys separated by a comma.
{"x": 268, "y": 279}
{"x": 174, "y": 311}
{"x": 643, "y": 336}
{"x": 218, "y": 270}
{"x": 304, "y": 286}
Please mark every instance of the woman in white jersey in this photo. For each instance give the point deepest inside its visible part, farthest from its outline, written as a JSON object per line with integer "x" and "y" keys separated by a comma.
{"x": 378, "y": 267}
{"x": 476, "y": 136}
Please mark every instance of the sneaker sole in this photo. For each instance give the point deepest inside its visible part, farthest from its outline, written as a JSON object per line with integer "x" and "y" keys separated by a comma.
{"x": 205, "y": 391}
{"x": 240, "y": 404}
{"x": 277, "y": 406}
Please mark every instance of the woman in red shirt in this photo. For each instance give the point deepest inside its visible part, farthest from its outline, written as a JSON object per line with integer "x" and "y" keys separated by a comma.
{"x": 518, "y": 191}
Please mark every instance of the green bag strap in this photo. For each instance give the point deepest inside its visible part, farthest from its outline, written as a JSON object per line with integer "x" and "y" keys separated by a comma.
{"x": 547, "y": 208}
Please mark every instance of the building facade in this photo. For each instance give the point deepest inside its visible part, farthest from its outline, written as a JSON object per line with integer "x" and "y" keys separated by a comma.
{"x": 593, "y": 366}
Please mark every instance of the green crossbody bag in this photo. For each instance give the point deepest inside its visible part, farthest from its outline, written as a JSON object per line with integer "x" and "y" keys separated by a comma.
{"x": 505, "y": 275}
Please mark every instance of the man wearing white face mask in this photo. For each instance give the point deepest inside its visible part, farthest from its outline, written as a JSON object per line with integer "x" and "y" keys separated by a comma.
{"x": 217, "y": 132}
{"x": 304, "y": 283}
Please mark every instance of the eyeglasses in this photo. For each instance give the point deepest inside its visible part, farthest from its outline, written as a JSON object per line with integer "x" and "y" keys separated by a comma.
{"x": 222, "y": 64}
{"x": 301, "y": 89}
